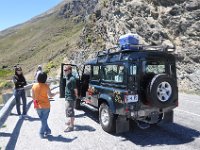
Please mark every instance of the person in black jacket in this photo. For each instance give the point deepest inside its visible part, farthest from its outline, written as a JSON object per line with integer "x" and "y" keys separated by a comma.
{"x": 19, "y": 91}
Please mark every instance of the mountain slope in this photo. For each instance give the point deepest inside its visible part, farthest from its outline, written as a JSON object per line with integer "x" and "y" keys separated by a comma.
{"x": 49, "y": 36}
{"x": 91, "y": 25}
{"x": 38, "y": 41}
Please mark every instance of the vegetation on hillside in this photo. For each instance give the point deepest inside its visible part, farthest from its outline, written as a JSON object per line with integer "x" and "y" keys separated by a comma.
{"x": 5, "y": 73}
{"x": 38, "y": 42}
{"x": 5, "y": 81}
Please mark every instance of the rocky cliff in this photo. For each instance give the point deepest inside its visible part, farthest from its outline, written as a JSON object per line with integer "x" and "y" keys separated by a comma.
{"x": 156, "y": 22}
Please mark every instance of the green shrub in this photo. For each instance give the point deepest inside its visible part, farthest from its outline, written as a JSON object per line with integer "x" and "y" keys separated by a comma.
{"x": 5, "y": 73}
{"x": 6, "y": 84}
{"x": 89, "y": 40}
{"x": 49, "y": 66}
{"x": 105, "y": 3}
{"x": 4, "y": 126}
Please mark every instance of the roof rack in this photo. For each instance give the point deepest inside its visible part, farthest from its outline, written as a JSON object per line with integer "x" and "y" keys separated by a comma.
{"x": 163, "y": 48}
{"x": 108, "y": 51}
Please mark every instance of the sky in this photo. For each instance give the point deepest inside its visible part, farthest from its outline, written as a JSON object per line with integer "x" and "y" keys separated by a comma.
{"x": 13, "y": 12}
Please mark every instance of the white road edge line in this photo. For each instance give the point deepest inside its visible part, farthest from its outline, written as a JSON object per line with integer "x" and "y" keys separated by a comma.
{"x": 187, "y": 112}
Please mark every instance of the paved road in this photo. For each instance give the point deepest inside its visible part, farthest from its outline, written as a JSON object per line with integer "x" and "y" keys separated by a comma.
{"x": 183, "y": 134}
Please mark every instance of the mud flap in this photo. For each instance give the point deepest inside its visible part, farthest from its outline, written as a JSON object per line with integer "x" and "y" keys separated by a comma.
{"x": 122, "y": 124}
{"x": 168, "y": 117}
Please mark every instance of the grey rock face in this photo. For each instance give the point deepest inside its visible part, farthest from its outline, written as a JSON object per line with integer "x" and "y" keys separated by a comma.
{"x": 192, "y": 5}
{"x": 171, "y": 22}
{"x": 78, "y": 8}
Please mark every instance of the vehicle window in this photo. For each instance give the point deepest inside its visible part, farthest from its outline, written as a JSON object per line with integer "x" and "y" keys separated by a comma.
{"x": 133, "y": 69}
{"x": 113, "y": 73}
{"x": 74, "y": 72}
{"x": 95, "y": 73}
{"x": 132, "y": 76}
{"x": 155, "y": 67}
{"x": 87, "y": 70}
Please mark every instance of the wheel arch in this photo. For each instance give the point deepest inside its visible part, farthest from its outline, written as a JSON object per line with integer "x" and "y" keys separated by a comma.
{"x": 105, "y": 98}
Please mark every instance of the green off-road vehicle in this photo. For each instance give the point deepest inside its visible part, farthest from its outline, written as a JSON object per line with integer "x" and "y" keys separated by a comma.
{"x": 128, "y": 85}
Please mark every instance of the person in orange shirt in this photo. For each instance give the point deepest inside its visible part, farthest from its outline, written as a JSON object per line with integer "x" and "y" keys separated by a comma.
{"x": 40, "y": 92}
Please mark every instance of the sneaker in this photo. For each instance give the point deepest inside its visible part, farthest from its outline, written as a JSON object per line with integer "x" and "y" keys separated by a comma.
{"x": 47, "y": 133}
{"x": 69, "y": 129}
{"x": 42, "y": 136}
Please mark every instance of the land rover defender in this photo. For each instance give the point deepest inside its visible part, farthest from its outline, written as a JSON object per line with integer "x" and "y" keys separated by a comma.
{"x": 138, "y": 85}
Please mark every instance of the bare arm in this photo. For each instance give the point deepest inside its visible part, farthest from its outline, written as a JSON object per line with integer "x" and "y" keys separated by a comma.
{"x": 33, "y": 94}
{"x": 50, "y": 94}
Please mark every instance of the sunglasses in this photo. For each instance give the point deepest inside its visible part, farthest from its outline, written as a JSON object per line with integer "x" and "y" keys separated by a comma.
{"x": 66, "y": 69}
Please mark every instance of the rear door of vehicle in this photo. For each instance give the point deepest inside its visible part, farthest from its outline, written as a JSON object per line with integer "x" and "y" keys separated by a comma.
{"x": 75, "y": 73}
{"x": 114, "y": 84}
{"x": 94, "y": 85}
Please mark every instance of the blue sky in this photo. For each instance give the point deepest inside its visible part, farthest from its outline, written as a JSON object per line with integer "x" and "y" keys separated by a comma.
{"x": 13, "y": 12}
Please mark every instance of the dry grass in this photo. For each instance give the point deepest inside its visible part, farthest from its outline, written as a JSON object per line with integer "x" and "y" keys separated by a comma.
{"x": 45, "y": 41}
{"x": 39, "y": 42}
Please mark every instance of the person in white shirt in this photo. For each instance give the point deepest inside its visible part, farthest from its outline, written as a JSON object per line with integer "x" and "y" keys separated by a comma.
{"x": 39, "y": 70}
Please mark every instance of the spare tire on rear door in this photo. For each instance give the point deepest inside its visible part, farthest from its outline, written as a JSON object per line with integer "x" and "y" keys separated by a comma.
{"x": 162, "y": 91}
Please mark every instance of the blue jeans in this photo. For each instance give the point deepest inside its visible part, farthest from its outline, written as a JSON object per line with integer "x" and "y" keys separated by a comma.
{"x": 44, "y": 114}
{"x": 20, "y": 93}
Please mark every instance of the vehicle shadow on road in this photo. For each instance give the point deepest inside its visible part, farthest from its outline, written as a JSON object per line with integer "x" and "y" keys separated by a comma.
{"x": 59, "y": 138}
{"x": 91, "y": 114}
{"x": 168, "y": 134}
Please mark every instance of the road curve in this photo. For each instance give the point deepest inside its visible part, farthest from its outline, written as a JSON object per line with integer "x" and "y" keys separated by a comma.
{"x": 183, "y": 134}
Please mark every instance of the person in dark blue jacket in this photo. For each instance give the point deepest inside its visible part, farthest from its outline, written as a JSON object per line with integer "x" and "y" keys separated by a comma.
{"x": 19, "y": 92}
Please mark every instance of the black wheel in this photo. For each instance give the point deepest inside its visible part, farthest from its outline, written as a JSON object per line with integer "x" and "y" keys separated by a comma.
{"x": 162, "y": 91}
{"x": 78, "y": 104}
{"x": 107, "y": 118}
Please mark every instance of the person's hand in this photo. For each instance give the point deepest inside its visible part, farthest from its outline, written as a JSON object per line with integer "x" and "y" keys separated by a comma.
{"x": 56, "y": 93}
